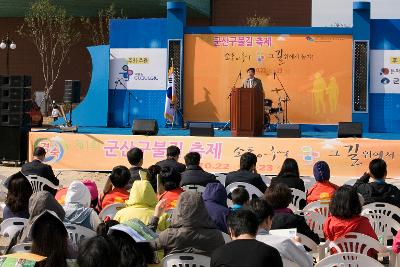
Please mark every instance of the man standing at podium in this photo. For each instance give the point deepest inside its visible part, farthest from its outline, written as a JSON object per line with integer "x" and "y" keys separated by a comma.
{"x": 252, "y": 82}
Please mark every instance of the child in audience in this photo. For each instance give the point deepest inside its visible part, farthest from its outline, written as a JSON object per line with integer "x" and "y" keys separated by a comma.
{"x": 91, "y": 186}
{"x": 98, "y": 251}
{"x": 289, "y": 249}
{"x": 191, "y": 229}
{"x": 245, "y": 250}
{"x": 50, "y": 239}
{"x": 140, "y": 205}
{"x": 119, "y": 178}
{"x": 240, "y": 198}
{"x": 279, "y": 196}
{"x": 18, "y": 194}
{"x": 77, "y": 206}
{"x": 170, "y": 179}
{"x": 322, "y": 189}
{"x": 345, "y": 209}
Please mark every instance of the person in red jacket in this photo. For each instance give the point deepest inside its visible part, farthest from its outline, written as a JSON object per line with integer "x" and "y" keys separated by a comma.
{"x": 345, "y": 208}
{"x": 322, "y": 189}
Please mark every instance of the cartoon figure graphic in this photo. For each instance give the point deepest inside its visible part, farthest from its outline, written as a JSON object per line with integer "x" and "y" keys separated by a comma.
{"x": 319, "y": 87}
{"x": 333, "y": 94}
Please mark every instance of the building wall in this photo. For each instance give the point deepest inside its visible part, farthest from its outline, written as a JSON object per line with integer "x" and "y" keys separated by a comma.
{"x": 282, "y": 13}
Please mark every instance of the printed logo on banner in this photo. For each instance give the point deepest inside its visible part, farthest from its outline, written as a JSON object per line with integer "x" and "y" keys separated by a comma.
{"x": 55, "y": 148}
{"x": 385, "y": 71}
{"x": 138, "y": 68}
{"x": 309, "y": 155}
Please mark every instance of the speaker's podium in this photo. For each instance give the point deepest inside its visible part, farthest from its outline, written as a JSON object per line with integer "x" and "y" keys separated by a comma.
{"x": 247, "y": 112}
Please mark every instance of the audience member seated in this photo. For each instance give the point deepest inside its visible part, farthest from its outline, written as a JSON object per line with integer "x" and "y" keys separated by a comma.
{"x": 17, "y": 200}
{"x": 245, "y": 250}
{"x": 322, "y": 189}
{"x": 130, "y": 253}
{"x": 170, "y": 179}
{"x": 191, "y": 230}
{"x": 115, "y": 187}
{"x": 173, "y": 153}
{"x": 37, "y": 167}
{"x": 153, "y": 171}
{"x": 140, "y": 205}
{"x": 215, "y": 198}
{"x": 279, "y": 196}
{"x": 289, "y": 175}
{"x": 98, "y": 251}
{"x": 38, "y": 203}
{"x": 240, "y": 198}
{"x": 77, "y": 207}
{"x": 135, "y": 158}
{"x": 50, "y": 239}
{"x": 194, "y": 174}
{"x": 91, "y": 185}
{"x": 289, "y": 249}
{"x": 377, "y": 190}
{"x": 345, "y": 209}
{"x": 247, "y": 173}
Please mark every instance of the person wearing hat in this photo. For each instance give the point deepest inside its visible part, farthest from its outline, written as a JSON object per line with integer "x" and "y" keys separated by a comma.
{"x": 322, "y": 189}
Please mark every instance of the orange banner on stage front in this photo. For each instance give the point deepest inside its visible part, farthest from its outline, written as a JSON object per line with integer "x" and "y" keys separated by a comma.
{"x": 315, "y": 70}
{"x": 100, "y": 152}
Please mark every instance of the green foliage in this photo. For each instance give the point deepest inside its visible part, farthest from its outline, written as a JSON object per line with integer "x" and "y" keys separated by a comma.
{"x": 51, "y": 31}
{"x": 257, "y": 21}
{"x": 99, "y": 27}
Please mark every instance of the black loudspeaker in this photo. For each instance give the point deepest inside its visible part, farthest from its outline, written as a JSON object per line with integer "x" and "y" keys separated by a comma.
{"x": 201, "y": 129}
{"x": 72, "y": 91}
{"x": 288, "y": 130}
{"x": 145, "y": 127}
{"x": 15, "y": 100}
{"x": 13, "y": 143}
{"x": 349, "y": 129}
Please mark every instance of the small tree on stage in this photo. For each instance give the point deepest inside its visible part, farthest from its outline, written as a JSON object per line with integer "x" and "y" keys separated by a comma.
{"x": 51, "y": 31}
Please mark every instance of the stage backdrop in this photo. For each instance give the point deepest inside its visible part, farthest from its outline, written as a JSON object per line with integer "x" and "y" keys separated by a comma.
{"x": 97, "y": 152}
{"x": 315, "y": 70}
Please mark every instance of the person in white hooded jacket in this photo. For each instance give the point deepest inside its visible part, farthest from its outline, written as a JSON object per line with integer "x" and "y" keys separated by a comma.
{"x": 77, "y": 207}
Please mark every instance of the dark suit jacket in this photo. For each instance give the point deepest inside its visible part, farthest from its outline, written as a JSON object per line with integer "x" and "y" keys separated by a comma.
{"x": 256, "y": 84}
{"x": 172, "y": 164}
{"x": 196, "y": 175}
{"x": 36, "y": 167}
{"x": 246, "y": 177}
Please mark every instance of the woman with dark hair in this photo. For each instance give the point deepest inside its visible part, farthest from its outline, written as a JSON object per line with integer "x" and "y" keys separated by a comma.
{"x": 49, "y": 239}
{"x": 289, "y": 175}
{"x": 130, "y": 253}
{"x": 98, "y": 251}
{"x": 323, "y": 188}
{"x": 170, "y": 179}
{"x": 17, "y": 200}
{"x": 345, "y": 209}
{"x": 279, "y": 197}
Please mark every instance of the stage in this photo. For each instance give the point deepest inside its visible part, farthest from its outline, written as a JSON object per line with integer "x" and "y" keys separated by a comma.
{"x": 101, "y": 148}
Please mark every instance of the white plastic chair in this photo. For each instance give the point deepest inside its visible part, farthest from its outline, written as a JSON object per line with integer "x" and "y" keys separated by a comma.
{"x": 249, "y": 187}
{"x": 308, "y": 181}
{"x": 194, "y": 188}
{"x": 349, "y": 259}
{"x": 226, "y": 237}
{"x": 288, "y": 263}
{"x": 38, "y": 183}
{"x": 111, "y": 210}
{"x": 221, "y": 177}
{"x": 266, "y": 179}
{"x": 314, "y": 220}
{"x": 9, "y": 227}
{"x": 320, "y": 206}
{"x": 380, "y": 216}
{"x": 298, "y": 195}
{"x": 185, "y": 259}
{"x": 78, "y": 233}
{"x": 22, "y": 247}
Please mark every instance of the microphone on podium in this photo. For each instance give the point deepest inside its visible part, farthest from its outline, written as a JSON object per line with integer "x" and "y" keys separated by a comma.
{"x": 274, "y": 75}
{"x": 240, "y": 74}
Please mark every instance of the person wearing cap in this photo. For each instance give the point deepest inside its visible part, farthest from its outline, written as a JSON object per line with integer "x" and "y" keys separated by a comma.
{"x": 37, "y": 167}
{"x": 322, "y": 189}
{"x": 91, "y": 185}
{"x": 77, "y": 207}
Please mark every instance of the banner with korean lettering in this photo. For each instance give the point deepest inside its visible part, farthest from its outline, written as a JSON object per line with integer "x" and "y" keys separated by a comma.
{"x": 385, "y": 71}
{"x": 315, "y": 70}
{"x": 98, "y": 152}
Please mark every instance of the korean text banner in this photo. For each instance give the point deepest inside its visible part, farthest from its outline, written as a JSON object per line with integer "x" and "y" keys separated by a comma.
{"x": 385, "y": 71}
{"x": 315, "y": 70}
{"x": 96, "y": 152}
{"x": 137, "y": 68}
